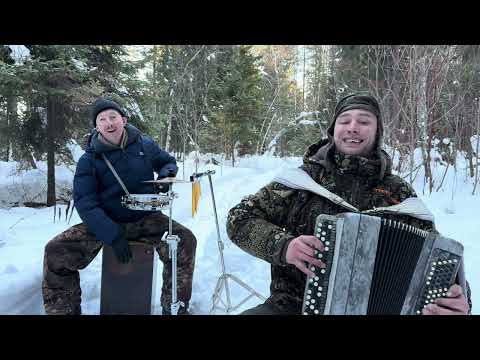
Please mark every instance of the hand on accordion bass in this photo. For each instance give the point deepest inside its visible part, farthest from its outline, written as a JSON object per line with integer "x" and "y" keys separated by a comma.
{"x": 454, "y": 304}
{"x": 302, "y": 250}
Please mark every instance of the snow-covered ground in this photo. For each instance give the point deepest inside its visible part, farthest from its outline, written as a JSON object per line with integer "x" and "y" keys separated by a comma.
{"x": 25, "y": 231}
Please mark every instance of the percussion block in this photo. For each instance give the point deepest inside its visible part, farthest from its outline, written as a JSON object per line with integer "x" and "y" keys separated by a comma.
{"x": 127, "y": 288}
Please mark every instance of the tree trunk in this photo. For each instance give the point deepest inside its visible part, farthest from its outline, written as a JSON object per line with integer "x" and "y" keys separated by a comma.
{"x": 303, "y": 81}
{"x": 4, "y": 134}
{"x": 477, "y": 149}
{"x": 395, "y": 107}
{"x": 430, "y": 131}
{"x": 51, "y": 117}
{"x": 11, "y": 124}
{"x": 422, "y": 111}
{"x": 169, "y": 128}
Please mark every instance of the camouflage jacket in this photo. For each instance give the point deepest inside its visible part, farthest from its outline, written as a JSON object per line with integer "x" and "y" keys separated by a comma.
{"x": 264, "y": 224}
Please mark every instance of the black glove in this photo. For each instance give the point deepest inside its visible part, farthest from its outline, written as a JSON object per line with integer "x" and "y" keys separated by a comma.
{"x": 163, "y": 188}
{"x": 169, "y": 173}
{"x": 121, "y": 249}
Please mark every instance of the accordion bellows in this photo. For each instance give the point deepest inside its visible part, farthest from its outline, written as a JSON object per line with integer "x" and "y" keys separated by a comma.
{"x": 376, "y": 266}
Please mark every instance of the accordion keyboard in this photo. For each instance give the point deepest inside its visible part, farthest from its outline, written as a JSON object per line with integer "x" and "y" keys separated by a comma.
{"x": 315, "y": 295}
{"x": 440, "y": 276}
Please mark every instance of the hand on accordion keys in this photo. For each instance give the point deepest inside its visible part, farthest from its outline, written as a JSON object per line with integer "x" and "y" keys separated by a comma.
{"x": 302, "y": 249}
{"x": 454, "y": 304}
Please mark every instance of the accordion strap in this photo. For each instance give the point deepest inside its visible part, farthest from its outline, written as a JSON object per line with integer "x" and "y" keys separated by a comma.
{"x": 298, "y": 179}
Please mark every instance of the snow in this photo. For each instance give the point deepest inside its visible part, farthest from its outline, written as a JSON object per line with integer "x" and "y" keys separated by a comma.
{"x": 24, "y": 232}
{"x": 80, "y": 65}
{"x": 308, "y": 122}
{"x": 19, "y": 53}
{"x": 137, "y": 110}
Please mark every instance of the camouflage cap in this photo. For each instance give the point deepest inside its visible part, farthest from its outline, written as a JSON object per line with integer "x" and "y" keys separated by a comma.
{"x": 359, "y": 101}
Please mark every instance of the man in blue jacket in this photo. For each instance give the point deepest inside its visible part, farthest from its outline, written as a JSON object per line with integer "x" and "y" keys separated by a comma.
{"x": 97, "y": 197}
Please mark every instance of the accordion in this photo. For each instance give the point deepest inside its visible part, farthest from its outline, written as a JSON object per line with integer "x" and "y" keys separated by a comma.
{"x": 376, "y": 266}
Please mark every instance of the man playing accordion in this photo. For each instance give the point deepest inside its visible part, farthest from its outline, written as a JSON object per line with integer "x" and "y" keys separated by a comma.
{"x": 277, "y": 223}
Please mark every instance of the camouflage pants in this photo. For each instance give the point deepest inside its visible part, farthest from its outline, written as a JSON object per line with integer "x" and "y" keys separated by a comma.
{"x": 76, "y": 247}
{"x": 270, "y": 307}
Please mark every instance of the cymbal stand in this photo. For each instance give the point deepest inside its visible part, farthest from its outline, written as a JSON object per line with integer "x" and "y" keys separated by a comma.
{"x": 222, "y": 282}
{"x": 172, "y": 241}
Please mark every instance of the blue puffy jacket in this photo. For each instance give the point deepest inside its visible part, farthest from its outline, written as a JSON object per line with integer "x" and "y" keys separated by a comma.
{"x": 97, "y": 193}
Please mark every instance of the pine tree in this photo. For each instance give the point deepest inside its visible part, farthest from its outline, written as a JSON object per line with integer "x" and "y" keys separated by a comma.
{"x": 8, "y": 89}
{"x": 237, "y": 101}
{"x": 57, "y": 85}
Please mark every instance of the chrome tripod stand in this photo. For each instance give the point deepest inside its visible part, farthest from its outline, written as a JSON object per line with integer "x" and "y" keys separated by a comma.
{"x": 222, "y": 282}
{"x": 172, "y": 241}
{"x": 158, "y": 203}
